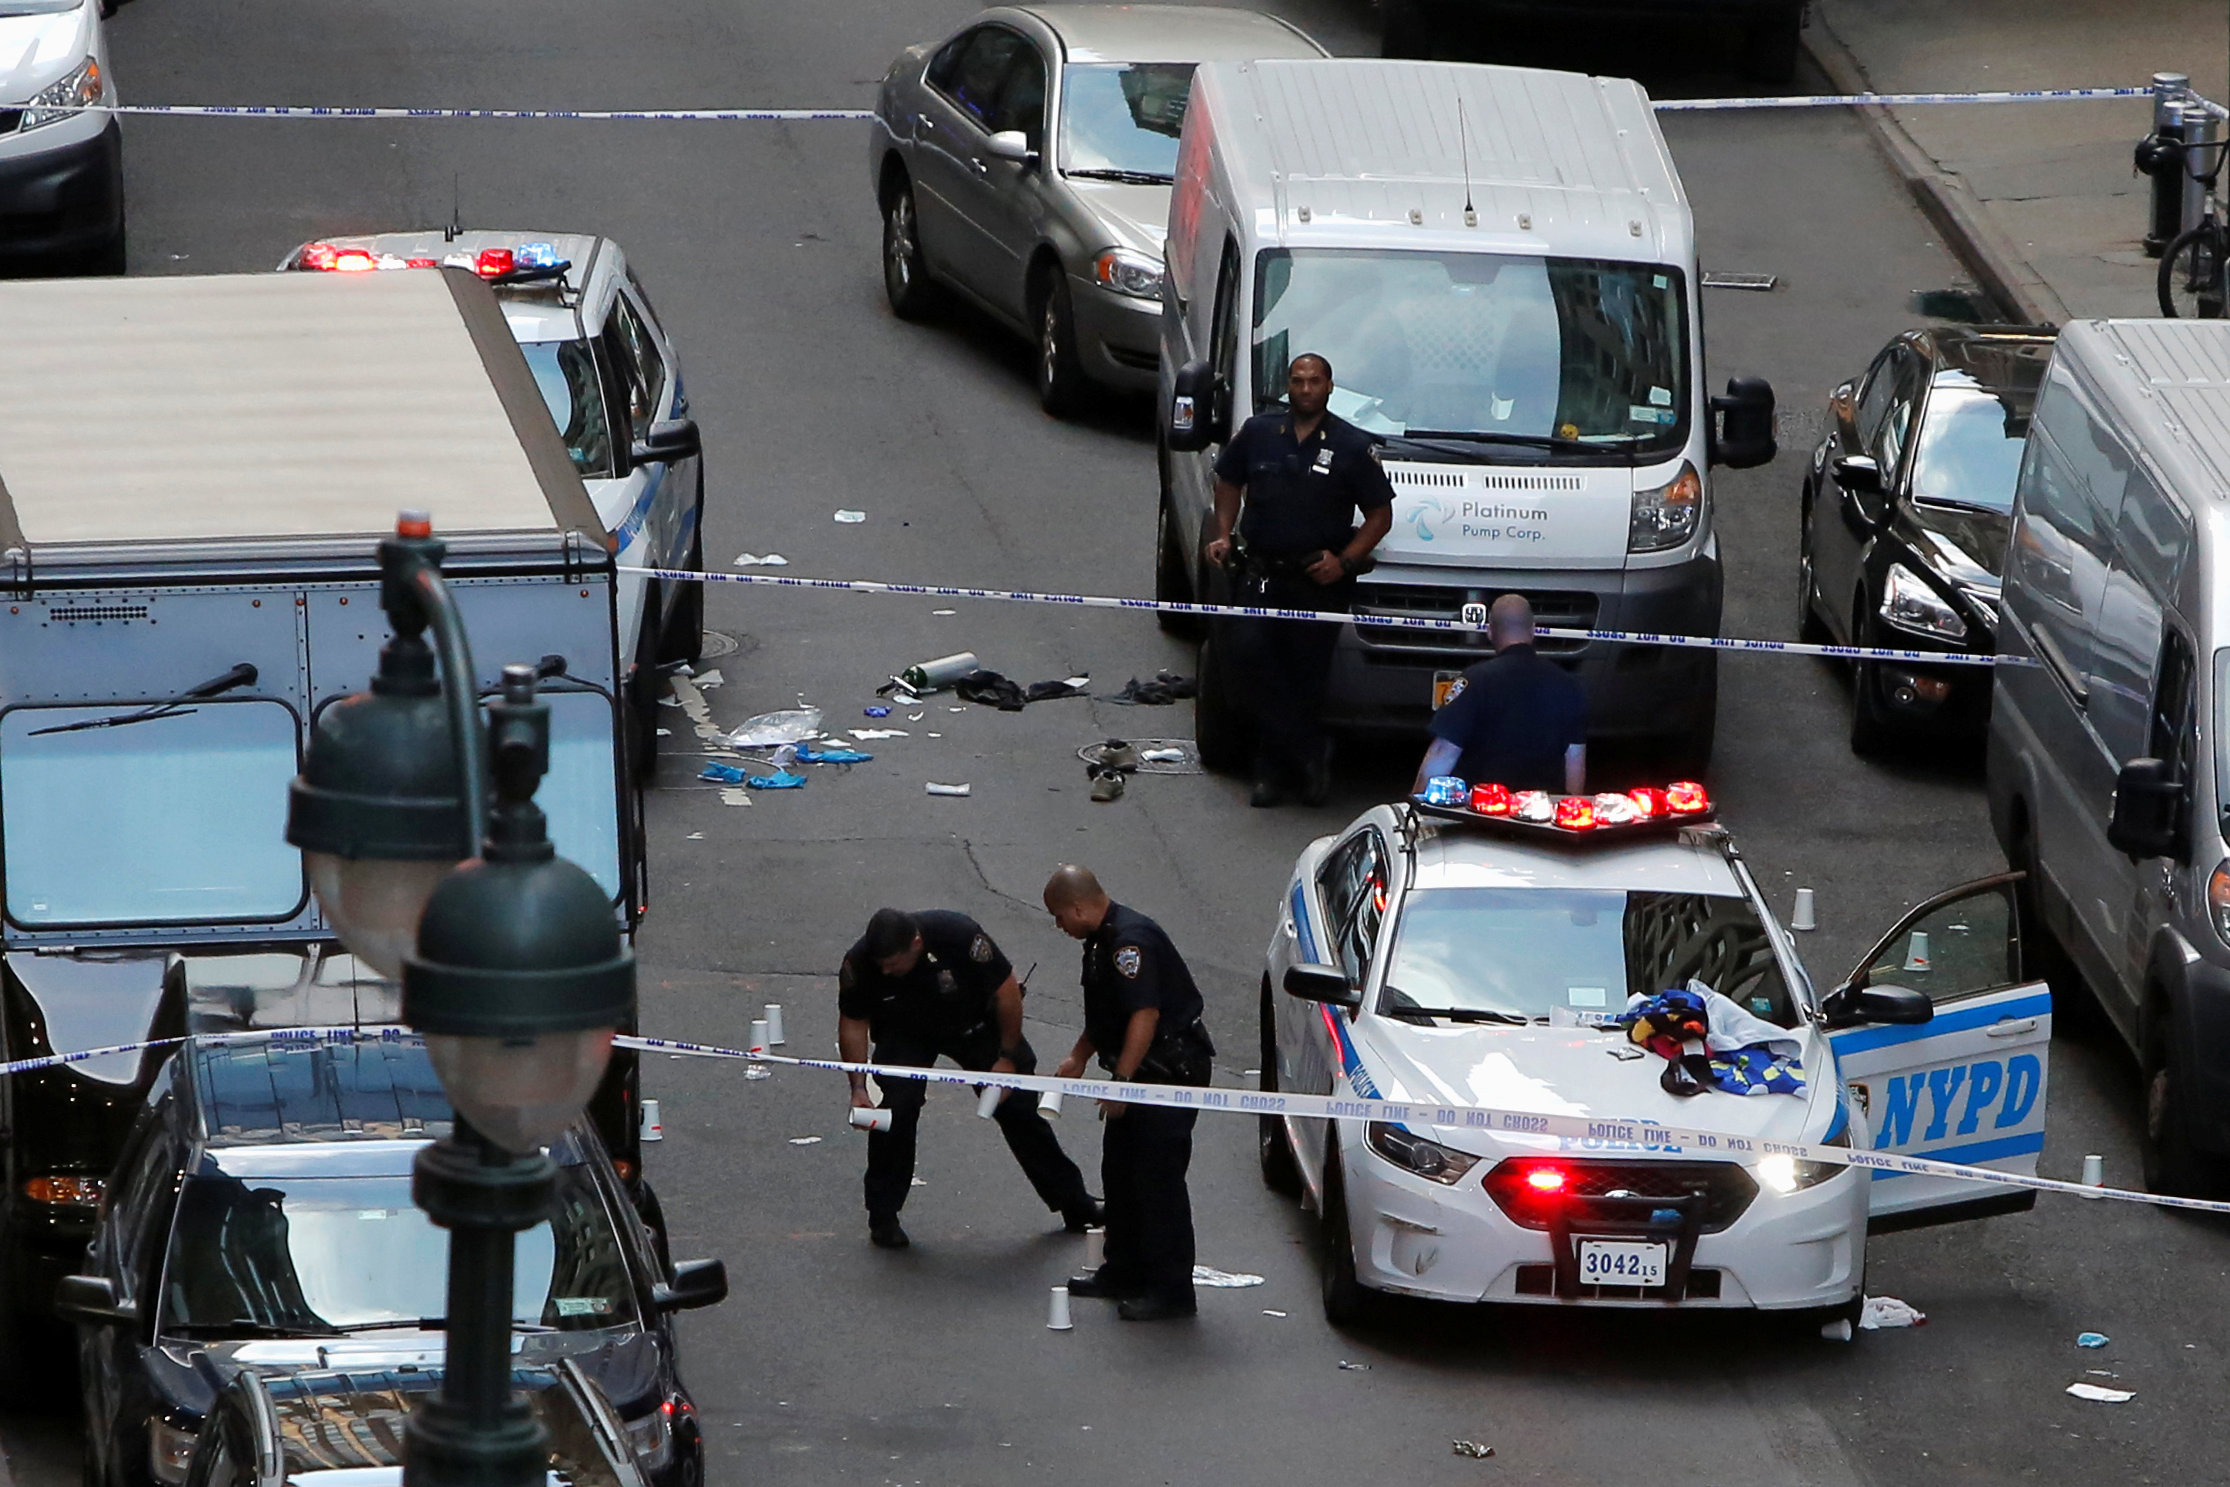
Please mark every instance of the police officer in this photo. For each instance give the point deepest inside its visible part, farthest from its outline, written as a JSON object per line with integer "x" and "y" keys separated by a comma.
{"x": 1513, "y": 719}
{"x": 1142, "y": 1021}
{"x": 1289, "y": 483}
{"x": 929, "y": 984}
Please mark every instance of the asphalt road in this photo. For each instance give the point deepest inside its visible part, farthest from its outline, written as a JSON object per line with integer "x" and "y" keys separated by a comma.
{"x": 834, "y": 1362}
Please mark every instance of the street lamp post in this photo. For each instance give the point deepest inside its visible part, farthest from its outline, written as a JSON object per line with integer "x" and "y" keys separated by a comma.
{"x": 512, "y": 967}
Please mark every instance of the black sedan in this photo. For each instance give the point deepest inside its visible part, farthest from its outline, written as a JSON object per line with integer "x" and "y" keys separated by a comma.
{"x": 261, "y": 1219}
{"x": 1906, "y": 508}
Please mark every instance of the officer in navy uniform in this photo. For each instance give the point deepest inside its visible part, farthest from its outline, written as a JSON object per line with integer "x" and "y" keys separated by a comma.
{"x": 1142, "y": 1021}
{"x": 1514, "y": 719}
{"x": 933, "y": 983}
{"x": 1289, "y": 483}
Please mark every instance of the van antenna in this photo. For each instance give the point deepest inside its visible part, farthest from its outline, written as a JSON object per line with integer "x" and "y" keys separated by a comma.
{"x": 456, "y": 227}
{"x": 1463, "y": 145}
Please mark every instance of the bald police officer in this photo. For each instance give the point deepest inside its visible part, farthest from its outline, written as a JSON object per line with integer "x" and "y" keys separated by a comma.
{"x": 1142, "y": 1022}
{"x": 1289, "y": 484}
{"x": 923, "y": 985}
{"x": 1514, "y": 719}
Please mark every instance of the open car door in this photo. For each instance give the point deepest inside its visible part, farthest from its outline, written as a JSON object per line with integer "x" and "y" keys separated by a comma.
{"x": 1967, "y": 1085}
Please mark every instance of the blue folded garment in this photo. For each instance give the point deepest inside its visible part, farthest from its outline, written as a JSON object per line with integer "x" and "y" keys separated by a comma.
{"x": 781, "y": 779}
{"x": 809, "y": 755}
{"x": 726, "y": 774}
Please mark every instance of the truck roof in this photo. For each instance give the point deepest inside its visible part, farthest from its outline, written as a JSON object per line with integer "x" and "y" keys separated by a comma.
{"x": 2166, "y": 381}
{"x": 1550, "y": 162}
{"x": 271, "y": 408}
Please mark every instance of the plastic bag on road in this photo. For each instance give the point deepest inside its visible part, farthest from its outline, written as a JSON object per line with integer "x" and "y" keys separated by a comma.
{"x": 771, "y": 730}
{"x": 1887, "y": 1311}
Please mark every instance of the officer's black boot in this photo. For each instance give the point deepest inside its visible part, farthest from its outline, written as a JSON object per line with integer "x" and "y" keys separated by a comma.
{"x": 886, "y": 1232}
{"x": 1269, "y": 781}
{"x": 1316, "y": 774}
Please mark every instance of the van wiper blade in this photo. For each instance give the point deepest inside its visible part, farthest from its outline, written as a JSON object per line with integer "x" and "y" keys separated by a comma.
{"x": 242, "y": 675}
{"x": 1127, "y": 177}
{"x": 1484, "y": 436}
{"x": 242, "y": 1328}
{"x": 426, "y": 1324}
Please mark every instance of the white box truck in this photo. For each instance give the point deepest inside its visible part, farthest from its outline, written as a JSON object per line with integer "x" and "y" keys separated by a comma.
{"x": 194, "y": 475}
{"x": 1500, "y": 265}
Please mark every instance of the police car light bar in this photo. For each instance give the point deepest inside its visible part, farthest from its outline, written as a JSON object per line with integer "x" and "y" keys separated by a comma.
{"x": 1452, "y": 799}
{"x": 488, "y": 263}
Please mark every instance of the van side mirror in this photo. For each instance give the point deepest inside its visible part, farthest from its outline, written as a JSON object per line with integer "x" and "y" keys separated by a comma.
{"x": 1320, "y": 983}
{"x": 92, "y": 1299}
{"x": 1888, "y": 1006}
{"x": 668, "y": 440}
{"x": 1742, "y": 436}
{"x": 1011, "y": 144}
{"x": 2148, "y": 810}
{"x": 1198, "y": 416}
{"x": 696, "y": 1283}
{"x": 1859, "y": 474}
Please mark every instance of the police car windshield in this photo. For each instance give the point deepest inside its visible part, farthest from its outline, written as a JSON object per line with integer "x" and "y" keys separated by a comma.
{"x": 304, "y": 1256}
{"x": 1550, "y": 348}
{"x": 1538, "y": 952}
{"x": 1120, "y": 120}
{"x": 565, "y": 371}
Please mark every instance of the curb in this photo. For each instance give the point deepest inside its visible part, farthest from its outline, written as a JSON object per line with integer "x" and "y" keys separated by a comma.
{"x": 2011, "y": 281}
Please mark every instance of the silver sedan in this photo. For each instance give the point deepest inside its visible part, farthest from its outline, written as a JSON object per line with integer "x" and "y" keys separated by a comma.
{"x": 1024, "y": 163}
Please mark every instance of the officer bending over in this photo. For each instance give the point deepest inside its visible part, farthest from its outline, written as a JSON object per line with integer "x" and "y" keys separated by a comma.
{"x": 1513, "y": 719}
{"x": 929, "y": 984}
{"x": 1142, "y": 1021}
{"x": 1290, "y": 483}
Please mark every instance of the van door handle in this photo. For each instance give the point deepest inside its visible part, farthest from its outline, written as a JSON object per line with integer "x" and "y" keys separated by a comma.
{"x": 2010, "y": 1029}
{"x": 2061, "y": 667}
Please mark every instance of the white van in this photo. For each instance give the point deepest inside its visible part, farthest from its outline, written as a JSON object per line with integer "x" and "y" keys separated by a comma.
{"x": 1500, "y": 266}
{"x": 2109, "y": 754}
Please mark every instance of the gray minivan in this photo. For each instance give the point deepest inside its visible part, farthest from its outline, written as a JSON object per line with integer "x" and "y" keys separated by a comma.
{"x": 2109, "y": 759}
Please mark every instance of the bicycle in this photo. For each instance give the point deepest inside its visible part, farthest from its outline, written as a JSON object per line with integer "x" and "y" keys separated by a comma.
{"x": 2191, "y": 282}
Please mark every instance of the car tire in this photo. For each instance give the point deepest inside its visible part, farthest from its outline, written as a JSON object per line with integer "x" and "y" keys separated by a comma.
{"x": 683, "y": 638}
{"x": 643, "y": 688}
{"x": 906, "y": 282}
{"x": 1347, "y": 1303}
{"x": 2172, "y": 1162}
{"x": 1810, "y": 628}
{"x": 1060, "y": 373}
{"x": 1219, "y": 726}
{"x": 1280, "y": 1173}
{"x": 1770, "y": 45}
{"x": 1172, "y": 575}
{"x": 108, "y": 260}
{"x": 1873, "y": 731}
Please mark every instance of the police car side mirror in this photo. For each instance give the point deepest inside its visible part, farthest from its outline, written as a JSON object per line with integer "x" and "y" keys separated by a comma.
{"x": 2148, "y": 809}
{"x": 695, "y": 1283}
{"x": 1196, "y": 412}
{"x": 92, "y": 1299}
{"x": 1886, "y": 1006}
{"x": 668, "y": 440}
{"x": 1743, "y": 419}
{"x": 1319, "y": 983}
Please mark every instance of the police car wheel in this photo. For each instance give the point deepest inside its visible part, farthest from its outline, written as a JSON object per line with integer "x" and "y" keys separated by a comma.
{"x": 1273, "y": 1146}
{"x": 1219, "y": 728}
{"x": 905, "y": 274}
{"x": 683, "y": 639}
{"x": 642, "y": 701}
{"x": 1346, "y": 1302}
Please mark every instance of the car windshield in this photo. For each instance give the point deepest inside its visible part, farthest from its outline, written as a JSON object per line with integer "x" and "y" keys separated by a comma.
{"x": 309, "y": 1255}
{"x": 194, "y": 800}
{"x": 1482, "y": 343}
{"x": 1970, "y": 446}
{"x": 1535, "y": 952}
{"x": 565, "y": 371}
{"x": 1123, "y": 118}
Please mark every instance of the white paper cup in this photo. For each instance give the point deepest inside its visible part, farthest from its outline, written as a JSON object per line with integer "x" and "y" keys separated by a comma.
{"x": 987, "y": 1103}
{"x": 774, "y": 1025}
{"x": 1095, "y": 1248}
{"x": 1049, "y": 1104}
{"x": 652, "y": 1129}
{"x": 1057, "y": 1317}
{"x": 871, "y": 1120}
{"x": 759, "y": 1035}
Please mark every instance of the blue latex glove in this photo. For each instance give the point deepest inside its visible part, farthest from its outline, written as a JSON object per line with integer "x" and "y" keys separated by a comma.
{"x": 726, "y": 774}
{"x": 781, "y": 779}
{"x": 809, "y": 755}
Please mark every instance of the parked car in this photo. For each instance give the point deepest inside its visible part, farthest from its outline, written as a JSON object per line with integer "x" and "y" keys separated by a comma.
{"x": 261, "y": 1218}
{"x": 1024, "y": 163}
{"x": 1769, "y": 32}
{"x": 61, "y": 166}
{"x": 1907, "y": 503}
{"x": 306, "y": 1428}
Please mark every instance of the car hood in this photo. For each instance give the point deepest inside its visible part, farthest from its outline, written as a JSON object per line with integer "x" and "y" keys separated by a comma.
{"x": 624, "y": 1363}
{"x": 1573, "y": 1071}
{"x": 1133, "y": 217}
{"x": 1963, "y": 544}
{"x": 38, "y": 50}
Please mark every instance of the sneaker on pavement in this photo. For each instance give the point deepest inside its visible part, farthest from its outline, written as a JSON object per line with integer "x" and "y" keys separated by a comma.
{"x": 1267, "y": 794}
{"x": 1090, "y": 1285}
{"x": 887, "y": 1234}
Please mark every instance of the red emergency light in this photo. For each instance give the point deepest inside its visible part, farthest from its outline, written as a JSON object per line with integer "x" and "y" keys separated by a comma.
{"x": 1613, "y": 811}
{"x": 494, "y": 261}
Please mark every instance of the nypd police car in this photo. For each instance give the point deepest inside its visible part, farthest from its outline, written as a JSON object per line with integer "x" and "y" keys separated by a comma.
{"x": 607, "y": 370}
{"x": 1477, "y": 951}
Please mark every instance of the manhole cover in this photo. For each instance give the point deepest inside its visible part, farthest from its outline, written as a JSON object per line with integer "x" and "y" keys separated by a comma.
{"x": 717, "y": 644}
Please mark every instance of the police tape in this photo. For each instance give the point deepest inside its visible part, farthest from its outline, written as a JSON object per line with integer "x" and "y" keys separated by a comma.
{"x": 1575, "y": 1134}
{"x": 790, "y": 115}
{"x": 1334, "y": 617}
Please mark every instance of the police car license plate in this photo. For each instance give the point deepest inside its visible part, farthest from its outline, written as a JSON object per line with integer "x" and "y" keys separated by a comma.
{"x": 1442, "y": 683}
{"x": 1613, "y": 1262}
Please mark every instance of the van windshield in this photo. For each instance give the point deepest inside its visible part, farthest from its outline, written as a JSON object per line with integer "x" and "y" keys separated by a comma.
{"x": 1482, "y": 343}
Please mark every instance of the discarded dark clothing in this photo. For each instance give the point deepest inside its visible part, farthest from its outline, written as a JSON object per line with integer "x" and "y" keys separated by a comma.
{"x": 1166, "y": 687}
{"x": 1710, "y": 1043}
{"x": 1007, "y": 695}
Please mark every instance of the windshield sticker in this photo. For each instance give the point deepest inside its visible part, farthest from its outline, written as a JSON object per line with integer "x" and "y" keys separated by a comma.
{"x": 1636, "y": 413}
{"x": 1661, "y": 397}
{"x": 1659, "y": 281}
{"x": 1587, "y": 996}
{"x": 583, "y": 1306}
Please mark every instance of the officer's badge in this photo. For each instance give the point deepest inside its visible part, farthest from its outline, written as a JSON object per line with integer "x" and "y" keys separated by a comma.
{"x": 947, "y": 984}
{"x": 1455, "y": 690}
{"x": 1127, "y": 961}
{"x": 980, "y": 951}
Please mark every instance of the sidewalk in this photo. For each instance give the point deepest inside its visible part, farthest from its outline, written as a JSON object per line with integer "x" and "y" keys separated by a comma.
{"x": 2039, "y": 199}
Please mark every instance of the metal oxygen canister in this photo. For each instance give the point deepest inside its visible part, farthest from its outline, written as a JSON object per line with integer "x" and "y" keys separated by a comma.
{"x": 935, "y": 676}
